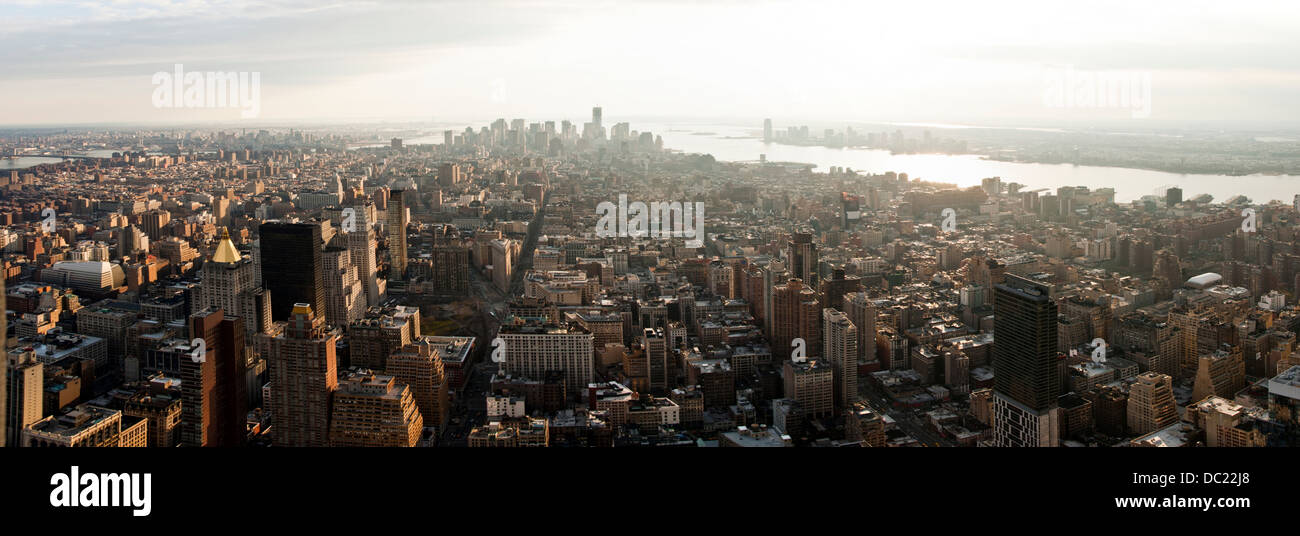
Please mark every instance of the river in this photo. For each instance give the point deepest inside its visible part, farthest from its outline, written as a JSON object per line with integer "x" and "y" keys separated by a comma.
{"x": 24, "y": 162}
{"x": 734, "y": 143}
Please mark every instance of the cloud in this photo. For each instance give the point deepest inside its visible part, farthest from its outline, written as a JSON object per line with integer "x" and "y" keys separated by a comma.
{"x": 299, "y": 42}
{"x": 850, "y": 60}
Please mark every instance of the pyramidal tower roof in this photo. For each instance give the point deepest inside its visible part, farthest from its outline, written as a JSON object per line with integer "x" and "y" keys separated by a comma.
{"x": 226, "y": 251}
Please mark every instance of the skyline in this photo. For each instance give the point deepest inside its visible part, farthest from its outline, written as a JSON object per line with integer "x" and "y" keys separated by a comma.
{"x": 236, "y": 233}
{"x": 460, "y": 61}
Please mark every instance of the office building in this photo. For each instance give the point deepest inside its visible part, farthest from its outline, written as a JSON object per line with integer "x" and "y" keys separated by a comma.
{"x": 534, "y": 349}
{"x": 21, "y": 395}
{"x": 862, "y": 313}
{"x": 1228, "y": 424}
{"x": 345, "y": 297}
{"x": 1284, "y": 404}
{"x": 504, "y": 253}
{"x": 230, "y": 284}
{"x": 1151, "y": 403}
{"x": 659, "y": 359}
{"x": 383, "y": 331}
{"x": 811, "y": 384}
{"x": 840, "y": 345}
{"x": 398, "y": 217}
{"x": 304, "y": 374}
{"x": 374, "y": 410}
{"x": 361, "y": 243}
{"x": 1220, "y": 373}
{"x": 292, "y": 267}
{"x": 802, "y": 253}
{"x": 161, "y": 408}
{"x": 796, "y": 314}
{"x": 214, "y": 400}
{"x": 419, "y": 365}
{"x": 1028, "y": 377}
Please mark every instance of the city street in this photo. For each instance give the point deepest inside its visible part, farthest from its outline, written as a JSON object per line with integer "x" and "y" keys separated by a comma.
{"x": 909, "y": 421}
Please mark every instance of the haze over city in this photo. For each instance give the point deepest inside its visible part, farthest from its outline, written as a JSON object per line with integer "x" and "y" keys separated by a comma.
{"x": 841, "y": 61}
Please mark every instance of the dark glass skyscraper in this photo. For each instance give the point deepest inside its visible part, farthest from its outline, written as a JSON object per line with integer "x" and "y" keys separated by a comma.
{"x": 1027, "y": 379}
{"x": 1024, "y": 324}
{"x": 292, "y": 267}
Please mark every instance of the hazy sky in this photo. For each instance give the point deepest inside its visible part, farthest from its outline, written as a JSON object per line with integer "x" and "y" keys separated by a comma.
{"x": 89, "y": 62}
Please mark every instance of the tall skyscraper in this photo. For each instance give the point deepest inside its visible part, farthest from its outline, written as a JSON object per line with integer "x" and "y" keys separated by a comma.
{"x": 230, "y": 284}
{"x": 657, "y": 352}
{"x": 23, "y": 392}
{"x": 596, "y": 117}
{"x": 292, "y": 268}
{"x": 214, "y": 398}
{"x": 796, "y": 314}
{"x": 803, "y": 258}
{"x": 397, "y": 220}
{"x": 767, "y": 276}
{"x": 860, "y": 310}
{"x": 304, "y": 375}
{"x": 767, "y": 130}
{"x": 361, "y": 244}
{"x": 345, "y": 297}
{"x": 1027, "y": 380}
{"x": 840, "y": 342}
